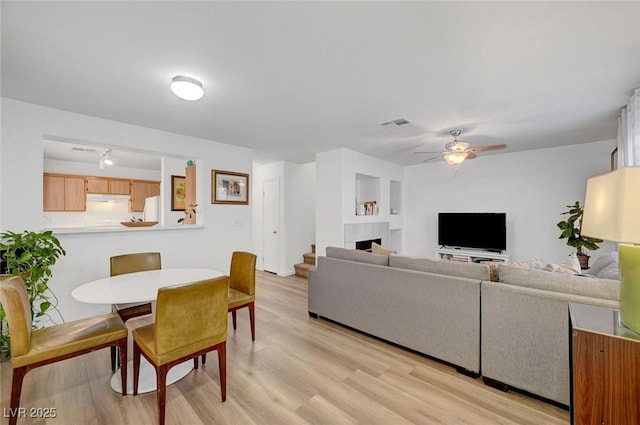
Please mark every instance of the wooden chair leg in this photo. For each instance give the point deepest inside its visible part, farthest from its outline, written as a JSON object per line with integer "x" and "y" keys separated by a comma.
{"x": 114, "y": 356}
{"x": 136, "y": 367}
{"x": 122, "y": 348}
{"x": 222, "y": 366}
{"x": 16, "y": 390}
{"x": 233, "y": 319}
{"x": 252, "y": 319}
{"x": 161, "y": 373}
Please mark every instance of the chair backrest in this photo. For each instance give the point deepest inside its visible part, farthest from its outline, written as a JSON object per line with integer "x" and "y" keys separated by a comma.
{"x": 15, "y": 302}
{"x": 138, "y": 262}
{"x": 191, "y": 313}
{"x": 242, "y": 276}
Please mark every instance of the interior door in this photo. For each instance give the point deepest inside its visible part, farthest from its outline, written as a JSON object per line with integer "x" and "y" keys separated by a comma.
{"x": 271, "y": 225}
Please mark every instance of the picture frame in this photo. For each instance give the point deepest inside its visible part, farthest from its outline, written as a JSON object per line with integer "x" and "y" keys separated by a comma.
{"x": 614, "y": 159}
{"x": 228, "y": 187}
{"x": 178, "y": 193}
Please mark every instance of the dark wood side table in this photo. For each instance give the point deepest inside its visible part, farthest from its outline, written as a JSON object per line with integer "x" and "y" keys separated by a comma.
{"x": 605, "y": 367}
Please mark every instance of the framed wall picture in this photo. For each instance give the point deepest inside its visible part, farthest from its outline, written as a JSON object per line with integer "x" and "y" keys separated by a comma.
{"x": 178, "y": 192}
{"x": 228, "y": 187}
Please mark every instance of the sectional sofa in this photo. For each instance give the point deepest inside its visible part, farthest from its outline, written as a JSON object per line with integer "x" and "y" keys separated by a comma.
{"x": 513, "y": 331}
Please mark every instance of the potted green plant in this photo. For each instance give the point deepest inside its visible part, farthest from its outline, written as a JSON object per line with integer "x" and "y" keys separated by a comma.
{"x": 570, "y": 230}
{"x": 30, "y": 255}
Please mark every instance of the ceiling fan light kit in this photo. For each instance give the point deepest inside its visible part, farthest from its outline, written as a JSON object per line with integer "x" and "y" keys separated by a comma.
{"x": 459, "y": 150}
{"x": 455, "y": 157}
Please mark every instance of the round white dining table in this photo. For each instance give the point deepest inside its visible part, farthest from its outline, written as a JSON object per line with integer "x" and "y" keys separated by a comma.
{"x": 141, "y": 287}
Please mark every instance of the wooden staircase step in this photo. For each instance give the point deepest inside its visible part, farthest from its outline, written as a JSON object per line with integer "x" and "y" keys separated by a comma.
{"x": 309, "y": 258}
{"x": 302, "y": 269}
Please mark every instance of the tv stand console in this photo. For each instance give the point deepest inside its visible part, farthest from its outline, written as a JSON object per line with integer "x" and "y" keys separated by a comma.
{"x": 470, "y": 255}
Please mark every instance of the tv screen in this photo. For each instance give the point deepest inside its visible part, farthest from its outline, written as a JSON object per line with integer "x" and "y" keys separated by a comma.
{"x": 473, "y": 230}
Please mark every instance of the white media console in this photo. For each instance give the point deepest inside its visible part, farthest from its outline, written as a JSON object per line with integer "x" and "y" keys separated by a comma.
{"x": 470, "y": 255}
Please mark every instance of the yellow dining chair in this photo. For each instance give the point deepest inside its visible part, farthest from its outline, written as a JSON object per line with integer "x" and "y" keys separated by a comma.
{"x": 131, "y": 263}
{"x": 242, "y": 289}
{"x": 34, "y": 348}
{"x": 190, "y": 321}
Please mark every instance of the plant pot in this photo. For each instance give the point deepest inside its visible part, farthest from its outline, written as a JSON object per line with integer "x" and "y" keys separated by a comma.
{"x": 584, "y": 261}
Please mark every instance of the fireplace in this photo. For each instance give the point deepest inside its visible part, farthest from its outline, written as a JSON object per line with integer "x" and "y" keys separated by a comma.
{"x": 366, "y": 245}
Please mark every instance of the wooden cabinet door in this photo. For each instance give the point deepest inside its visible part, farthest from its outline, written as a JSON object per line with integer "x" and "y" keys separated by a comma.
{"x": 153, "y": 189}
{"x": 119, "y": 187}
{"x": 141, "y": 190}
{"x": 74, "y": 194}
{"x": 606, "y": 379}
{"x": 53, "y": 193}
{"x": 97, "y": 185}
{"x": 138, "y": 195}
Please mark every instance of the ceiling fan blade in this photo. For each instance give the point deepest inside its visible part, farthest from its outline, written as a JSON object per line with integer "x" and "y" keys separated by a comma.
{"x": 432, "y": 158}
{"x": 471, "y": 155}
{"x": 486, "y": 148}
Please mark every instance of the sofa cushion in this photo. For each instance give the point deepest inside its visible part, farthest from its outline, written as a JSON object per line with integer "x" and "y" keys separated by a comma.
{"x": 452, "y": 268}
{"x": 560, "y": 282}
{"x": 570, "y": 264}
{"x": 357, "y": 255}
{"x": 611, "y": 271}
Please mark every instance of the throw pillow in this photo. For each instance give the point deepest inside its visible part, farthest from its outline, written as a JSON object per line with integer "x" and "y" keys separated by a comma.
{"x": 612, "y": 271}
{"x": 602, "y": 262}
{"x": 571, "y": 264}
{"x": 378, "y": 249}
{"x": 527, "y": 264}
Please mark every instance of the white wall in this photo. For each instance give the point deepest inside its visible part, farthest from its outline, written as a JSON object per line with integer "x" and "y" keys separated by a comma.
{"x": 532, "y": 187}
{"x": 297, "y": 212}
{"x": 227, "y": 227}
{"x": 336, "y": 193}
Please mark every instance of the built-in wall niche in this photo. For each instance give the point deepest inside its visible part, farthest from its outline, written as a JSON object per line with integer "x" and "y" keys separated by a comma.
{"x": 367, "y": 200}
{"x": 395, "y": 197}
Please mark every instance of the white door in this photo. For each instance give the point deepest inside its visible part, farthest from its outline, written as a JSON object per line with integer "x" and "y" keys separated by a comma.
{"x": 271, "y": 228}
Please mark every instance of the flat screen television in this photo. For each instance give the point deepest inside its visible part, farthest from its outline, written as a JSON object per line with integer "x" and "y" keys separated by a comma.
{"x": 473, "y": 230}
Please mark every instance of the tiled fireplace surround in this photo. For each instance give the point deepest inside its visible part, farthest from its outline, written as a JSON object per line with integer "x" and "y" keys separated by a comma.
{"x": 355, "y": 232}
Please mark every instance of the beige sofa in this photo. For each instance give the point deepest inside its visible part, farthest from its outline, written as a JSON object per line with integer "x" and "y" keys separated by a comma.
{"x": 525, "y": 327}
{"x": 429, "y": 306}
{"x": 513, "y": 332}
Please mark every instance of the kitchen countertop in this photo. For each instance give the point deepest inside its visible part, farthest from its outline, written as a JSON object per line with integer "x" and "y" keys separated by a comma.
{"x": 111, "y": 229}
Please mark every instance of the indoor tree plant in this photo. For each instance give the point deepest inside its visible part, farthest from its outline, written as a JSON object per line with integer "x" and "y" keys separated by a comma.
{"x": 30, "y": 255}
{"x": 571, "y": 228}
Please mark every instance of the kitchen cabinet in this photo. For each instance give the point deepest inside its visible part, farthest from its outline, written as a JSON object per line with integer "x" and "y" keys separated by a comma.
{"x": 108, "y": 186}
{"x": 63, "y": 192}
{"x": 140, "y": 190}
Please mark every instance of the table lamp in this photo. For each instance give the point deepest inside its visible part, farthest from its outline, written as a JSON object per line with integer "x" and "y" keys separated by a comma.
{"x": 612, "y": 212}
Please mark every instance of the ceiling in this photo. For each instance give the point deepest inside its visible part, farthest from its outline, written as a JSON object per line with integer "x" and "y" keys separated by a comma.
{"x": 290, "y": 79}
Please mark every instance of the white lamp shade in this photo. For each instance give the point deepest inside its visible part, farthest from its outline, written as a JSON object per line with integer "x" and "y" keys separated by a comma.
{"x": 187, "y": 88}
{"x": 612, "y": 206}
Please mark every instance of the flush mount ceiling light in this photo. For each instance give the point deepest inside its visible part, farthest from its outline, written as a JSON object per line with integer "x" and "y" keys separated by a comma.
{"x": 187, "y": 88}
{"x": 106, "y": 159}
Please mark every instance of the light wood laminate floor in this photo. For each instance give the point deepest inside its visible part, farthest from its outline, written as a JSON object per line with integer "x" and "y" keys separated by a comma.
{"x": 298, "y": 371}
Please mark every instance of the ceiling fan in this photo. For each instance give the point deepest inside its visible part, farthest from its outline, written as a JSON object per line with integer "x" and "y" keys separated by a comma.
{"x": 459, "y": 150}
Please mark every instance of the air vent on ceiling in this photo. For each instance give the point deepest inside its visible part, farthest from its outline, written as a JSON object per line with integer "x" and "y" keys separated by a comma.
{"x": 399, "y": 121}
{"x": 83, "y": 149}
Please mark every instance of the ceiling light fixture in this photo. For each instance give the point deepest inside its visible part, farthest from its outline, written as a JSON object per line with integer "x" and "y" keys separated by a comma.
{"x": 455, "y": 157}
{"x": 187, "y": 88}
{"x": 106, "y": 160}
